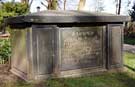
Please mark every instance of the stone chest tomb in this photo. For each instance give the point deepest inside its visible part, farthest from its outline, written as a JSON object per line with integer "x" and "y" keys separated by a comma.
{"x": 65, "y": 43}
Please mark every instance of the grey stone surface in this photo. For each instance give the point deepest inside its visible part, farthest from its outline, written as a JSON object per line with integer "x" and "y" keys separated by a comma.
{"x": 115, "y": 45}
{"x": 129, "y": 48}
{"x": 67, "y": 17}
{"x": 46, "y": 51}
{"x": 84, "y": 43}
{"x": 81, "y": 47}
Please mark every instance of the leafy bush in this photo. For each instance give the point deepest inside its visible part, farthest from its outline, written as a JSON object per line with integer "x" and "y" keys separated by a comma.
{"x": 15, "y": 8}
{"x": 129, "y": 40}
{"x": 5, "y": 50}
{"x": 9, "y": 9}
{"x": 129, "y": 30}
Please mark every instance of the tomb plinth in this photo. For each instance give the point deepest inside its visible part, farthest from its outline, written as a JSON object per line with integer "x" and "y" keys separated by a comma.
{"x": 65, "y": 43}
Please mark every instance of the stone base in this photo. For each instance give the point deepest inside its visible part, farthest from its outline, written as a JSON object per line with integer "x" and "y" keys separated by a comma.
{"x": 66, "y": 74}
{"x": 81, "y": 72}
{"x": 115, "y": 70}
{"x": 19, "y": 74}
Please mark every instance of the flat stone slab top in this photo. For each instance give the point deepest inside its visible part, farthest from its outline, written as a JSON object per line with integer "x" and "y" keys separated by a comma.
{"x": 52, "y": 16}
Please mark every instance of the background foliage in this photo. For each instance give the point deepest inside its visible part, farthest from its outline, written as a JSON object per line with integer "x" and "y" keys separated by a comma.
{"x": 129, "y": 30}
{"x": 9, "y": 9}
{"x": 132, "y": 13}
{"x": 5, "y": 50}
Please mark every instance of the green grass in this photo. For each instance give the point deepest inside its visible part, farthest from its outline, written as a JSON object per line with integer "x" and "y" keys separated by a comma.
{"x": 124, "y": 79}
{"x": 129, "y": 60}
{"x": 129, "y": 40}
{"x": 106, "y": 80}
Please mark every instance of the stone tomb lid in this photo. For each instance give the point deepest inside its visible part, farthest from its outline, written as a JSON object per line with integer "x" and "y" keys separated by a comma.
{"x": 53, "y": 16}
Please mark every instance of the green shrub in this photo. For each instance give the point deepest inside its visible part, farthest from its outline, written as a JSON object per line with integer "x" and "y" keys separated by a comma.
{"x": 129, "y": 40}
{"x": 5, "y": 50}
{"x": 9, "y": 9}
{"x": 129, "y": 30}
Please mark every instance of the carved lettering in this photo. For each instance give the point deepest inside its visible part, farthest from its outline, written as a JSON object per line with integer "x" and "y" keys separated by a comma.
{"x": 81, "y": 46}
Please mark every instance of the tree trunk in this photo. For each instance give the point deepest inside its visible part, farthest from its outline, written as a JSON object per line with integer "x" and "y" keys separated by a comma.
{"x": 65, "y": 4}
{"x": 119, "y": 7}
{"x": 30, "y": 2}
{"x": 49, "y": 4}
{"x": 52, "y": 4}
{"x": 81, "y": 4}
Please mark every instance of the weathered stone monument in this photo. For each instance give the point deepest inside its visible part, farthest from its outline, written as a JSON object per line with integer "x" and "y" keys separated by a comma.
{"x": 65, "y": 43}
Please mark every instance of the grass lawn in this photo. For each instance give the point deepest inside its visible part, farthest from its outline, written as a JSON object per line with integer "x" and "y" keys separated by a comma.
{"x": 124, "y": 79}
{"x": 106, "y": 80}
{"x": 128, "y": 40}
{"x": 129, "y": 61}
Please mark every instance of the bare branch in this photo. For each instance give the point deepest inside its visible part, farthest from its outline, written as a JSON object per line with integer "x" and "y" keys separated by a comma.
{"x": 119, "y": 7}
{"x": 49, "y": 4}
{"x": 60, "y": 1}
{"x": 81, "y": 4}
{"x": 65, "y": 4}
{"x": 58, "y": 5}
{"x": 47, "y": 0}
{"x": 30, "y": 3}
{"x": 44, "y": 5}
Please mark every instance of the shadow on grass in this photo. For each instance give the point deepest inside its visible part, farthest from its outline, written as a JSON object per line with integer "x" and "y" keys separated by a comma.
{"x": 125, "y": 79}
{"x": 129, "y": 67}
{"x": 105, "y": 80}
{"x": 129, "y": 40}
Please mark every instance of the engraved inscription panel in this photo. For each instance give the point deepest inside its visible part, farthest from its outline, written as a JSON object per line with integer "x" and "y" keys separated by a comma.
{"x": 43, "y": 51}
{"x": 19, "y": 50}
{"x": 81, "y": 47}
{"x": 116, "y": 45}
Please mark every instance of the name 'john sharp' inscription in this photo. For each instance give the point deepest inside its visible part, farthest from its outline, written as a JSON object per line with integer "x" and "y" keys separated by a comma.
{"x": 81, "y": 47}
